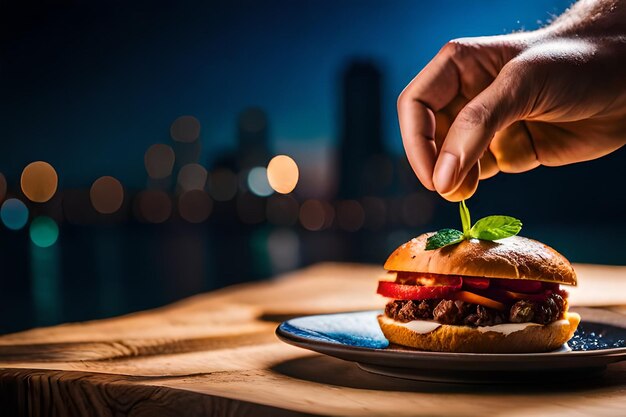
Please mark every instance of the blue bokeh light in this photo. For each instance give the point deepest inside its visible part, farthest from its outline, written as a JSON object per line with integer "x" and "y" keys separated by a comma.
{"x": 258, "y": 182}
{"x": 14, "y": 214}
{"x": 44, "y": 231}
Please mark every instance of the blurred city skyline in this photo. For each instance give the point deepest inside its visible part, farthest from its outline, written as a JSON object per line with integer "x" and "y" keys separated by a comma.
{"x": 151, "y": 152}
{"x": 103, "y": 82}
{"x": 353, "y": 180}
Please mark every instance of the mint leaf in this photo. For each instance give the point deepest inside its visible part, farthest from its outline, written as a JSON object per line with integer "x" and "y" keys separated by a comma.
{"x": 495, "y": 227}
{"x": 466, "y": 221}
{"x": 444, "y": 237}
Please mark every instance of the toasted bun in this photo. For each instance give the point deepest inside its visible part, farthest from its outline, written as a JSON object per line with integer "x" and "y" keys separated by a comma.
{"x": 511, "y": 258}
{"x": 449, "y": 338}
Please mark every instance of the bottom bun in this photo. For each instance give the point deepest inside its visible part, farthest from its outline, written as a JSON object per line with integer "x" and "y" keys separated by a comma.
{"x": 450, "y": 338}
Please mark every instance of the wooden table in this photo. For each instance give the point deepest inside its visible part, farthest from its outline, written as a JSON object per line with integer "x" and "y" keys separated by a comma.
{"x": 216, "y": 354}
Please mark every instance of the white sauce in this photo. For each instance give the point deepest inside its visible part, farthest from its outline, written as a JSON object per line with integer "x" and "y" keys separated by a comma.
{"x": 418, "y": 326}
{"x": 427, "y": 326}
{"x": 506, "y": 328}
{"x": 421, "y": 326}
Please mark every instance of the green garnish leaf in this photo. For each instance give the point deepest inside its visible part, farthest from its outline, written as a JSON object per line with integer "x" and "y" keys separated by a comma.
{"x": 444, "y": 237}
{"x": 466, "y": 220}
{"x": 487, "y": 228}
{"x": 495, "y": 227}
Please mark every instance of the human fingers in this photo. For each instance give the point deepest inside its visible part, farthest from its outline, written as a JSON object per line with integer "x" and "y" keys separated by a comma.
{"x": 431, "y": 90}
{"x": 513, "y": 149}
{"x": 503, "y": 102}
{"x": 468, "y": 186}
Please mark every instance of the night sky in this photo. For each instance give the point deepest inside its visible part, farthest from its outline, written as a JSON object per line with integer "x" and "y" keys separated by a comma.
{"x": 89, "y": 85}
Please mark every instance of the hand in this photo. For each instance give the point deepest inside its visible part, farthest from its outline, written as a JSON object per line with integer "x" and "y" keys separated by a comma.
{"x": 510, "y": 103}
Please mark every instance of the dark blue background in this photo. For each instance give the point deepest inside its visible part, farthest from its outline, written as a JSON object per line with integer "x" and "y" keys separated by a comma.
{"x": 89, "y": 85}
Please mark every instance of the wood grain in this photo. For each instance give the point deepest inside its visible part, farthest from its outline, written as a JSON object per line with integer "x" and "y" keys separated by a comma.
{"x": 216, "y": 354}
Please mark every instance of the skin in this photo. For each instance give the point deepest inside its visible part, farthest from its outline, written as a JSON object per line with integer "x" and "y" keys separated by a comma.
{"x": 510, "y": 103}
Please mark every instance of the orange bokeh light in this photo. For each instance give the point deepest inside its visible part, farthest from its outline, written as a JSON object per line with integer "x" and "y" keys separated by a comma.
{"x": 159, "y": 161}
{"x": 312, "y": 215}
{"x": 192, "y": 177}
{"x": 282, "y": 174}
{"x": 350, "y": 215}
{"x": 154, "y": 206}
{"x": 195, "y": 206}
{"x": 3, "y": 187}
{"x": 185, "y": 129}
{"x": 107, "y": 195}
{"x": 39, "y": 181}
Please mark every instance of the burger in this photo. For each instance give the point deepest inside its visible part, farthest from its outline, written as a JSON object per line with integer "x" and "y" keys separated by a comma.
{"x": 482, "y": 296}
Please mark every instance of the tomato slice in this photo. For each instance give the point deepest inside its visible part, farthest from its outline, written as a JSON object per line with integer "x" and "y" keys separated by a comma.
{"x": 479, "y": 283}
{"x": 415, "y": 292}
{"x": 517, "y": 285}
{"x": 427, "y": 279}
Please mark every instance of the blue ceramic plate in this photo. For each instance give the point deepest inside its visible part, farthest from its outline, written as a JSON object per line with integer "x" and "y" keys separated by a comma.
{"x": 356, "y": 337}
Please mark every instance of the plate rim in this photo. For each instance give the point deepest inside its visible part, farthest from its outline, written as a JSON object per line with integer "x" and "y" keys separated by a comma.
{"x": 295, "y": 340}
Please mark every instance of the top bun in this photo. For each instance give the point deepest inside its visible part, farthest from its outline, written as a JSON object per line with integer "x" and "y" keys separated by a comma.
{"x": 511, "y": 258}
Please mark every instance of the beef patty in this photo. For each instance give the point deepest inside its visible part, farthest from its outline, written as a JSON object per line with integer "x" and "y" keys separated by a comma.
{"x": 462, "y": 313}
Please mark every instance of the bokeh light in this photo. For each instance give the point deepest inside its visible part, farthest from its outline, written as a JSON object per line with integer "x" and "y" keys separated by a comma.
{"x": 14, "y": 214}
{"x": 154, "y": 206}
{"x": 223, "y": 184}
{"x": 44, "y": 231}
{"x": 282, "y": 173}
{"x": 283, "y": 246}
{"x": 192, "y": 177}
{"x": 258, "y": 183}
{"x": 282, "y": 210}
{"x": 242, "y": 180}
{"x": 329, "y": 214}
{"x": 39, "y": 181}
{"x": 195, "y": 206}
{"x": 350, "y": 215}
{"x": 3, "y": 187}
{"x": 185, "y": 129}
{"x": 159, "y": 161}
{"x": 107, "y": 195}
{"x": 312, "y": 215}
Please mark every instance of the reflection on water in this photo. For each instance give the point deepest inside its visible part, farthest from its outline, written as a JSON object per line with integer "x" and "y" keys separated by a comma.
{"x": 46, "y": 289}
{"x": 111, "y": 292}
{"x": 102, "y": 271}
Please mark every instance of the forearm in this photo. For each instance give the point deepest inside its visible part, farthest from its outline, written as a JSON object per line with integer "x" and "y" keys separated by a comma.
{"x": 604, "y": 18}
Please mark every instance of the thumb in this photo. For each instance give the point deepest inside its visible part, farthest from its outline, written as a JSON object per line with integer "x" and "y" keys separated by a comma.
{"x": 503, "y": 102}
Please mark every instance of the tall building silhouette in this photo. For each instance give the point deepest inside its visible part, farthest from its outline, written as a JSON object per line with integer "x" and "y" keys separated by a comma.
{"x": 364, "y": 166}
{"x": 252, "y": 143}
{"x": 252, "y": 138}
